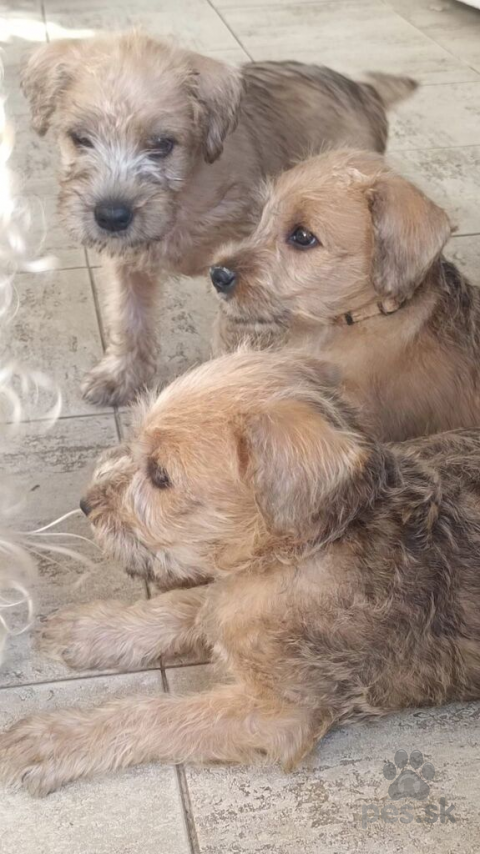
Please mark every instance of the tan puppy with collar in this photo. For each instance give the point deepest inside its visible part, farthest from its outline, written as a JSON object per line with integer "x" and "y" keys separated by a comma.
{"x": 346, "y": 262}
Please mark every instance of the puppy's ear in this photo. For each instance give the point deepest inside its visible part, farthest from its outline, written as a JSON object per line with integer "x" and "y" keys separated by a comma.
{"x": 410, "y": 232}
{"x": 48, "y": 73}
{"x": 218, "y": 89}
{"x": 303, "y": 470}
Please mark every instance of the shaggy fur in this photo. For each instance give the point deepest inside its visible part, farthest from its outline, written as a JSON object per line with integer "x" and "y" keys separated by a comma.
{"x": 344, "y": 576}
{"x": 115, "y": 103}
{"x": 375, "y": 297}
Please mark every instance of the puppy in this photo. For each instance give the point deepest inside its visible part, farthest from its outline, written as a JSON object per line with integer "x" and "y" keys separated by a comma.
{"x": 347, "y": 263}
{"x": 345, "y": 576}
{"x": 162, "y": 152}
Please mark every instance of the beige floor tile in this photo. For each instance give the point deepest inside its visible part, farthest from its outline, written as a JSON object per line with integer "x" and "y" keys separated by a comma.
{"x": 465, "y": 252}
{"x": 255, "y": 5}
{"x": 48, "y": 236}
{"x": 233, "y": 55}
{"x": 21, "y": 28}
{"x": 55, "y": 330}
{"x": 185, "y": 317}
{"x": 421, "y": 122}
{"x": 347, "y": 35}
{"x": 34, "y": 162}
{"x": 320, "y": 807}
{"x": 451, "y": 176}
{"x": 450, "y": 23}
{"x": 134, "y": 812}
{"x": 19, "y": 7}
{"x": 194, "y": 22}
{"x": 49, "y": 481}
{"x": 46, "y": 233}
{"x": 16, "y": 105}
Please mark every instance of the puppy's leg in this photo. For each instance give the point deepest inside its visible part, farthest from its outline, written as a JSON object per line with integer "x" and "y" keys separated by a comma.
{"x": 104, "y": 635}
{"x": 226, "y": 724}
{"x": 131, "y": 357}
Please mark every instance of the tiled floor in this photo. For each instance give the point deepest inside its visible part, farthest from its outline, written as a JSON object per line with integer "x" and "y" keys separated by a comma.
{"x": 435, "y": 138}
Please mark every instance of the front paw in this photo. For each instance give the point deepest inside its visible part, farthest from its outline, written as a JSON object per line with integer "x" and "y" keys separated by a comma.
{"x": 83, "y": 637}
{"x": 117, "y": 380}
{"x": 29, "y": 755}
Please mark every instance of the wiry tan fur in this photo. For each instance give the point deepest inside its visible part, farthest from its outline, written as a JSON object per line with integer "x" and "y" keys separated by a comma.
{"x": 232, "y": 127}
{"x": 413, "y": 371}
{"x": 344, "y": 575}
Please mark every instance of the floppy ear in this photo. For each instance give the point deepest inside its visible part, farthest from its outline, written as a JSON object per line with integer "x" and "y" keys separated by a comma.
{"x": 47, "y": 73}
{"x": 218, "y": 88}
{"x": 410, "y": 232}
{"x": 305, "y": 471}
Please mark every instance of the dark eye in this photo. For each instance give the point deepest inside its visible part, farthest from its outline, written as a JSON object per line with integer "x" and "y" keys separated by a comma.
{"x": 79, "y": 140}
{"x": 161, "y": 147}
{"x": 157, "y": 475}
{"x": 302, "y": 238}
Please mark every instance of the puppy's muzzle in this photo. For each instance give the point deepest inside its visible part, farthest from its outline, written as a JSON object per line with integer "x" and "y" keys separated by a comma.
{"x": 113, "y": 216}
{"x": 85, "y": 506}
{"x": 223, "y": 279}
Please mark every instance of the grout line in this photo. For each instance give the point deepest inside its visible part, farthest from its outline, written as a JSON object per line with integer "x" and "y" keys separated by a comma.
{"x": 227, "y": 25}
{"x": 103, "y": 336}
{"x": 44, "y": 18}
{"x": 105, "y": 674}
{"x": 55, "y": 269}
{"x": 187, "y": 809}
{"x": 184, "y": 792}
{"x": 177, "y": 665}
{"x": 391, "y": 150}
{"x": 93, "y": 287}
{"x": 119, "y": 426}
{"x": 99, "y": 414}
{"x": 452, "y": 82}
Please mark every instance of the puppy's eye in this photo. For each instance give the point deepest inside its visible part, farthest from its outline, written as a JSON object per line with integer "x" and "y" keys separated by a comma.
{"x": 302, "y": 238}
{"x": 79, "y": 140}
{"x": 161, "y": 147}
{"x": 157, "y": 475}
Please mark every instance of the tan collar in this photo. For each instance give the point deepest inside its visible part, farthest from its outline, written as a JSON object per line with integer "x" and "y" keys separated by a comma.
{"x": 387, "y": 306}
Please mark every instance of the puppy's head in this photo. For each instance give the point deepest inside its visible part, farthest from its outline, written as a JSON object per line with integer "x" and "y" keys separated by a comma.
{"x": 132, "y": 117}
{"x": 337, "y": 232}
{"x": 244, "y": 457}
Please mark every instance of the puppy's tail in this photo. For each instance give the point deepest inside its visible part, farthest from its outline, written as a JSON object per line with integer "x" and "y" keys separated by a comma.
{"x": 391, "y": 87}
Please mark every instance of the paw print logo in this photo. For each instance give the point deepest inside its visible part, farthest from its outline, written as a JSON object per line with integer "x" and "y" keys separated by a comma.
{"x": 409, "y": 782}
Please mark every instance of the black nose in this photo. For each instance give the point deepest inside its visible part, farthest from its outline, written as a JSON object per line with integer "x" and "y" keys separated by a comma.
{"x": 223, "y": 279}
{"x": 113, "y": 216}
{"x": 85, "y": 506}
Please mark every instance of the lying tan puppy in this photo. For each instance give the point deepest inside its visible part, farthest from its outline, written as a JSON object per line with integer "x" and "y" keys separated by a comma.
{"x": 345, "y": 576}
{"x": 162, "y": 152}
{"x": 347, "y": 263}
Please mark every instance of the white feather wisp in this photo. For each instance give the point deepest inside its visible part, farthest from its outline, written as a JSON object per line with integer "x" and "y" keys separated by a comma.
{"x": 25, "y": 394}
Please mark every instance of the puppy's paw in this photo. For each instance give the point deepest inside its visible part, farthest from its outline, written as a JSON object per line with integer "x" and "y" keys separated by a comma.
{"x": 84, "y": 638}
{"x": 27, "y": 753}
{"x": 116, "y": 380}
